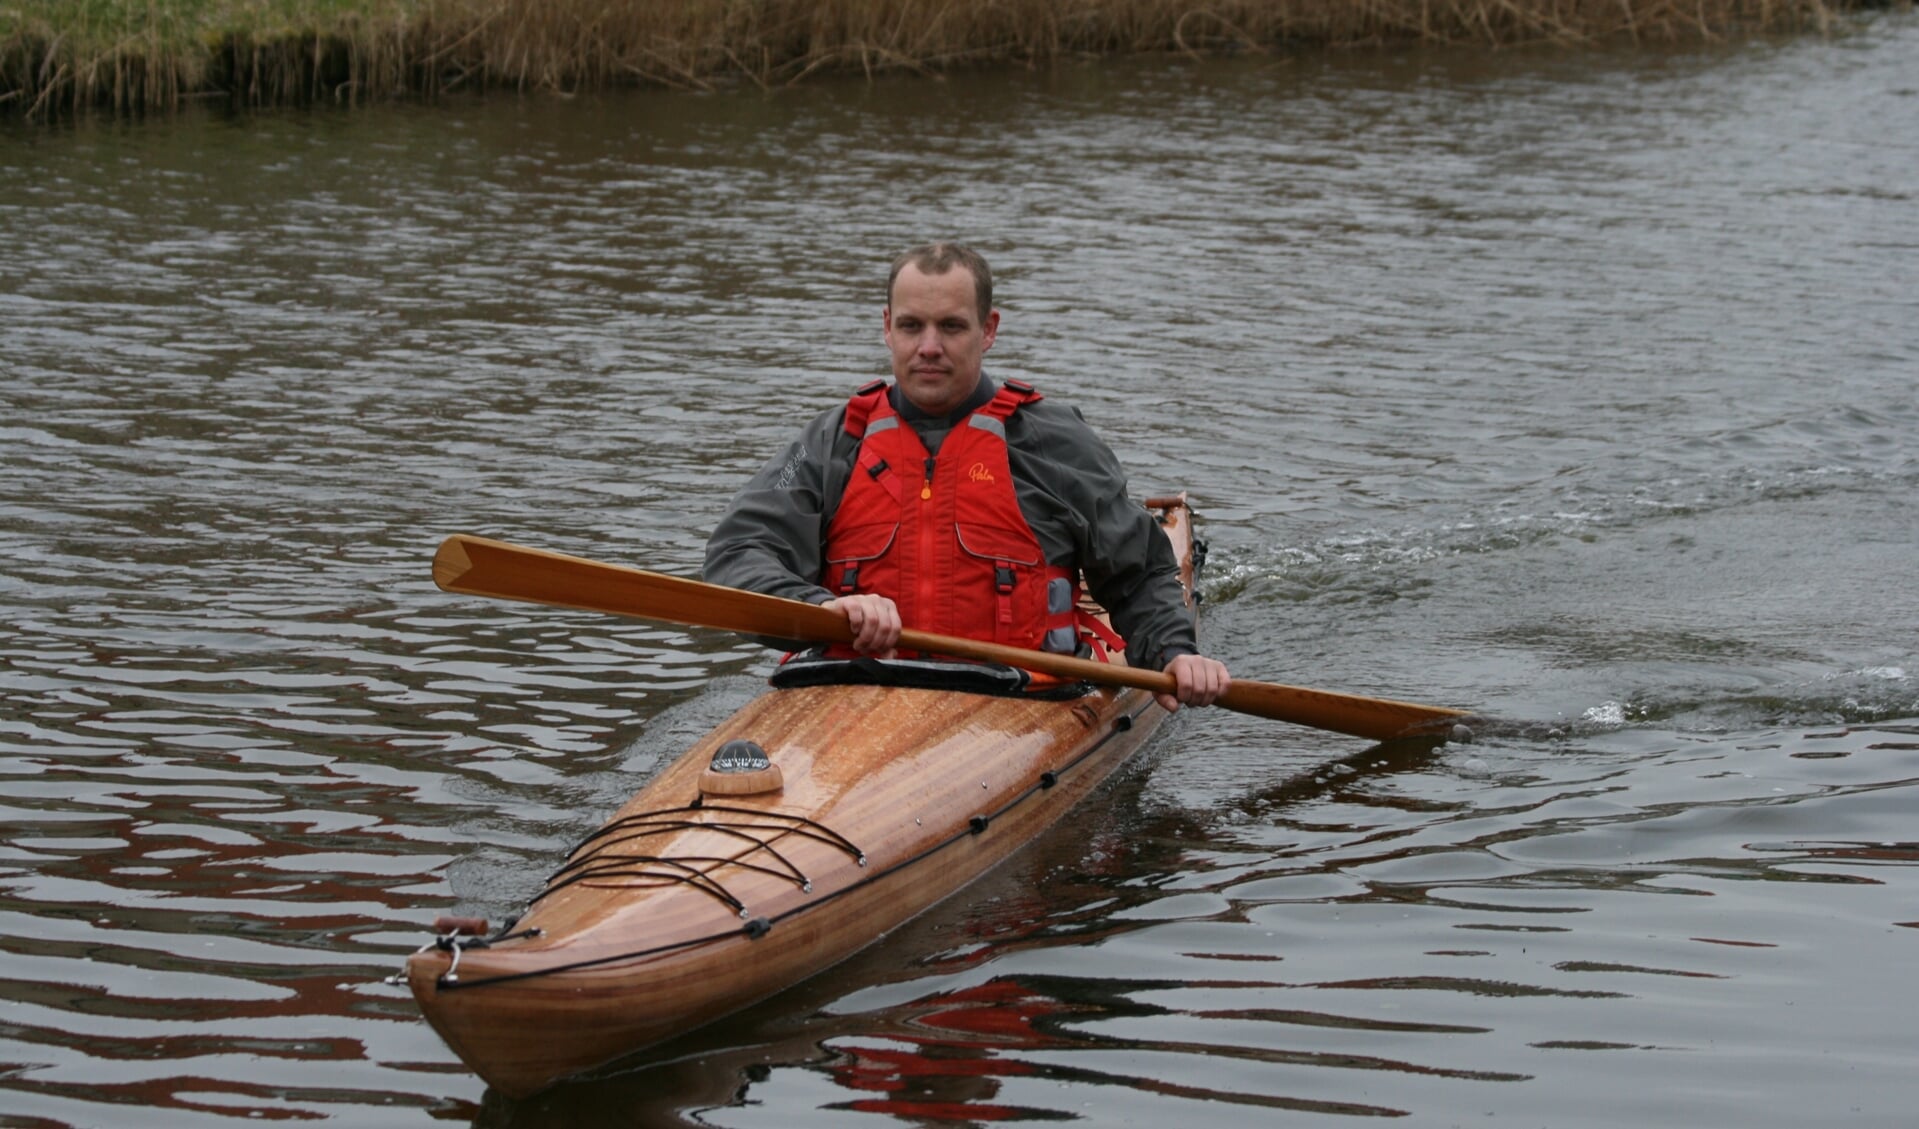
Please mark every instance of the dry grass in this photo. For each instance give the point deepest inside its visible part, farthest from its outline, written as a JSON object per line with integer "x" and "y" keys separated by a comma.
{"x": 134, "y": 55}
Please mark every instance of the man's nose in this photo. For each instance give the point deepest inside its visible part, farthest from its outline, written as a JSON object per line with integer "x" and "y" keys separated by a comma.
{"x": 929, "y": 342}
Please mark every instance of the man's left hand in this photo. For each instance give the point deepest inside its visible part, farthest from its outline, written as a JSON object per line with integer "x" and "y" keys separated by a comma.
{"x": 1197, "y": 680}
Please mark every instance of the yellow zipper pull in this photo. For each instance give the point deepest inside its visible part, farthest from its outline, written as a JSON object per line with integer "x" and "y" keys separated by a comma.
{"x": 926, "y": 487}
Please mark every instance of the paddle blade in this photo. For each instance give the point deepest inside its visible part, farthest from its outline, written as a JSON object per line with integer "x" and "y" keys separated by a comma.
{"x": 1376, "y": 719}
{"x": 479, "y": 566}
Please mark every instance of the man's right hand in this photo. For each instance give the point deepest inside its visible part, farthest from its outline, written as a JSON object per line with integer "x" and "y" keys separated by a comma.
{"x": 875, "y": 621}
{"x": 1199, "y": 681}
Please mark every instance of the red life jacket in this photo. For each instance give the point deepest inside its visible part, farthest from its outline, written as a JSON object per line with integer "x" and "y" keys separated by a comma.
{"x": 943, "y": 537}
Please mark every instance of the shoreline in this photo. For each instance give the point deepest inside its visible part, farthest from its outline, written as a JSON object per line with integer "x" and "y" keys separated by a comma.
{"x": 65, "y": 56}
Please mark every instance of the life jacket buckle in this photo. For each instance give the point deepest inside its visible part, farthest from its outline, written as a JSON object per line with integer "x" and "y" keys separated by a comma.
{"x": 1003, "y": 578}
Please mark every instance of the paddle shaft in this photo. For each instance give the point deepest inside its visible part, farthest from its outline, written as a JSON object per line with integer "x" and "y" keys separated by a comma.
{"x": 480, "y": 566}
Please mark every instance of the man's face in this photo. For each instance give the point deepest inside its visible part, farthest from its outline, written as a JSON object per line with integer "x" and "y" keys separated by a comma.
{"x": 934, "y": 330}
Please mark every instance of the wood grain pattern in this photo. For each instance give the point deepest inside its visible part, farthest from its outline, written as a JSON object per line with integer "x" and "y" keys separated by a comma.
{"x": 926, "y": 789}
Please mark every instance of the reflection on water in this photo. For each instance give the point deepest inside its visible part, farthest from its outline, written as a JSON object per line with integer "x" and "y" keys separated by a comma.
{"x": 1381, "y": 941}
{"x": 1575, "y": 389}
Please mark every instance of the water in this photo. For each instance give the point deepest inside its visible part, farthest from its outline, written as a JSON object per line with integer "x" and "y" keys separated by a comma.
{"x": 1572, "y": 388}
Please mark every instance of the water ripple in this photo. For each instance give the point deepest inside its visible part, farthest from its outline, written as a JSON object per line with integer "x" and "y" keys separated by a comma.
{"x": 1571, "y": 388}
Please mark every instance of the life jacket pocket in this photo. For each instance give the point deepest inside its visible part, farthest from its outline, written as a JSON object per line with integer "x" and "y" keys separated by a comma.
{"x": 994, "y": 544}
{"x": 852, "y": 548}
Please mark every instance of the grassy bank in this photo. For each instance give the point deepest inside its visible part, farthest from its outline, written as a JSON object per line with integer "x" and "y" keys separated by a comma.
{"x": 133, "y": 55}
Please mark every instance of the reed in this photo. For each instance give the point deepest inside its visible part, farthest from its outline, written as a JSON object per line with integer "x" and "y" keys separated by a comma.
{"x": 139, "y": 55}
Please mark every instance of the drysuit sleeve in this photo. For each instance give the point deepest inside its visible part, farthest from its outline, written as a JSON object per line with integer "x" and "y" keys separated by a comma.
{"x": 769, "y": 540}
{"x": 1074, "y": 493}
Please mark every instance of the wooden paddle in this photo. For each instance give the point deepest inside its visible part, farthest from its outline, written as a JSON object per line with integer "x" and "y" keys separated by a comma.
{"x": 479, "y": 566}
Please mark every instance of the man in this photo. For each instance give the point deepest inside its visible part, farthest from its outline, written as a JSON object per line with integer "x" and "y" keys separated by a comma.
{"x": 955, "y": 504}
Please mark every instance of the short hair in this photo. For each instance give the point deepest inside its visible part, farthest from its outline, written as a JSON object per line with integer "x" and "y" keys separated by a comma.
{"x": 938, "y": 258}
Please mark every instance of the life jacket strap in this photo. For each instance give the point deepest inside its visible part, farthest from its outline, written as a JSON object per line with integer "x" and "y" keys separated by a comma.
{"x": 1012, "y": 395}
{"x": 1103, "y": 640}
{"x": 1003, "y": 578}
{"x": 860, "y": 408}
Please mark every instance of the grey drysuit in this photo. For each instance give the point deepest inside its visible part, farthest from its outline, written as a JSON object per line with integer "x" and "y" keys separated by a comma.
{"x": 1069, "y": 485}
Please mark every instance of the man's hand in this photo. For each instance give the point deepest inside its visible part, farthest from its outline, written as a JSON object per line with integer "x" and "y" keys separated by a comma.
{"x": 1198, "y": 680}
{"x": 875, "y": 621}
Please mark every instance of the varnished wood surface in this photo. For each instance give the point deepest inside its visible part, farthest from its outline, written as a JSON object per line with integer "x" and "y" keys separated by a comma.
{"x": 900, "y": 773}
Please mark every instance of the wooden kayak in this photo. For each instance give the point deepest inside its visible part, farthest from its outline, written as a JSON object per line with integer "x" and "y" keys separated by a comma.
{"x": 802, "y": 829}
